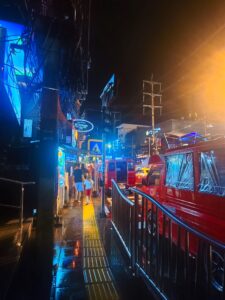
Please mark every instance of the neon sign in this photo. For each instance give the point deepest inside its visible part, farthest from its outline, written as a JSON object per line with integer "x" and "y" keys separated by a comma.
{"x": 82, "y": 125}
{"x": 61, "y": 167}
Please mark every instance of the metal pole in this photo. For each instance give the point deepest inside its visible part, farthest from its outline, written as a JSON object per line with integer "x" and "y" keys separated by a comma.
{"x": 143, "y": 97}
{"x": 205, "y": 126}
{"x": 153, "y": 114}
{"x": 132, "y": 153}
{"x": 21, "y": 214}
{"x": 103, "y": 176}
{"x": 154, "y": 97}
{"x": 96, "y": 178}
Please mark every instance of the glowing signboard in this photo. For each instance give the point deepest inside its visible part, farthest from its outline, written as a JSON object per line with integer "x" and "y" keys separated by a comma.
{"x": 109, "y": 86}
{"x": 95, "y": 147}
{"x": 27, "y": 128}
{"x": 61, "y": 167}
{"x": 82, "y": 125}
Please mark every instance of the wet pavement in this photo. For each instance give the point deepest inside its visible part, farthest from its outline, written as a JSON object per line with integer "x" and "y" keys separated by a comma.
{"x": 80, "y": 262}
{"x": 129, "y": 286}
{"x": 88, "y": 264}
{"x": 68, "y": 280}
{"x": 11, "y": 247}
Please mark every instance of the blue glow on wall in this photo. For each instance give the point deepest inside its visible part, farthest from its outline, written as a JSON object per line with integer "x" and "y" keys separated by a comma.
{"x": 13, "y": 64}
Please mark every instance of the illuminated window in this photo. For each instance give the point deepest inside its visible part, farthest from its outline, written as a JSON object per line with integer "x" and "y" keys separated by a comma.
{"x": 130, "y": 166}
{"x": 212, "y": 172}
{"x": 111, "y": 166}
{"x": 179, "y": 171}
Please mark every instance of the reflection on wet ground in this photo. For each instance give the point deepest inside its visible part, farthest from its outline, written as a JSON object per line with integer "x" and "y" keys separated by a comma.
{"x": 129, "y": 287}
{"x": 68, "y": 280}
{"x": 12, "y": 241}
{"x": 88, "y": 264}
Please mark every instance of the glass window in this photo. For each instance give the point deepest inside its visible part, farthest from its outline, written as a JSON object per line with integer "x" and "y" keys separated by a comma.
{"x": 212, "y": 172}
{"x": 179, "y": 171}
{"x": 111, "y": 166}
{"x": 130, "y": 166}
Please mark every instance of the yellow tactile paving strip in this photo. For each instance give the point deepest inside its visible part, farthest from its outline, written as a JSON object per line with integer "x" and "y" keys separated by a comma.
{"x": 97, "y": 274}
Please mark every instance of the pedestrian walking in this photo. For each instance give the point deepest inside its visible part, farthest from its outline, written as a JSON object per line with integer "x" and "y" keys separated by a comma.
{"x": 78, "y": 180}
{"x": 71, "y": 185}
{"x": 84, "y": 169}
{"x": 88, "y": 186}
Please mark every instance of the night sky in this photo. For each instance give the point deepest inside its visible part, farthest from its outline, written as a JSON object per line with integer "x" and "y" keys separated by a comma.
{"x": 137, "y": 38}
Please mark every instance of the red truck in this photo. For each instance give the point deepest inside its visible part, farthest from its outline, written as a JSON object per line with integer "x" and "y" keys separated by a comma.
{"x": 122, "y": 171}
{"x": 190, "y": 182}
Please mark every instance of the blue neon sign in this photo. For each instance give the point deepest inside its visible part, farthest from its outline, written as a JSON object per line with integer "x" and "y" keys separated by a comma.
{"x": 82, "y": 125}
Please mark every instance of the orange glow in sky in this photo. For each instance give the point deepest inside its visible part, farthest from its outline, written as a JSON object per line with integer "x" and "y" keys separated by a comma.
{"x": 203, "y": 87}
{"x": 214, "y": 99}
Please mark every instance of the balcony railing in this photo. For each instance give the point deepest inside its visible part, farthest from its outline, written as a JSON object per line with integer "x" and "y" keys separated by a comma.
{"x": 20, "y": 206}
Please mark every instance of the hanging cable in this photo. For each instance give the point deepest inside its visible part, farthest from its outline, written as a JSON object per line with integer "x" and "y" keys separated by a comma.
{"x": 88, "y": 46}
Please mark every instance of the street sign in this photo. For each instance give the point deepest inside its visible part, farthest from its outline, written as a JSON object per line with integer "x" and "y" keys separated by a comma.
{"x": 82, "y": 125}
{"x": 95, "y": 147}
{"x": 108, "y": 87}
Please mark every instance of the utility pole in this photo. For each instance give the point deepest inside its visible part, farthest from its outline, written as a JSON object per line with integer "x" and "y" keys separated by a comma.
{"x": 47, "y": 183}
{"x": 106, "y": 96}
{"x": 152, "y": 99}
{"x": 116, "y": 116}
{"x": 103, "y": 177}
{"x": 149, "y": 146}
{"x": 105, "y": 102}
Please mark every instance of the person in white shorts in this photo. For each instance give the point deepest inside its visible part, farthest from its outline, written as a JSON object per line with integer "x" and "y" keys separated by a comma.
{"x": 88, "y": 185}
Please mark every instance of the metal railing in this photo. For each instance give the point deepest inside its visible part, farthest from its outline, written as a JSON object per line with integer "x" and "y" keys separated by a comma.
{"x": 123, "y": 214}
{"x": 178, "y": 261}
{"x": 21, "y": 205}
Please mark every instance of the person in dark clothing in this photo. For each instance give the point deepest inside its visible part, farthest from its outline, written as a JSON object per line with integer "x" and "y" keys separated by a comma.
{"x": 78, "y": 180}
{"x": 84, "y": 170}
